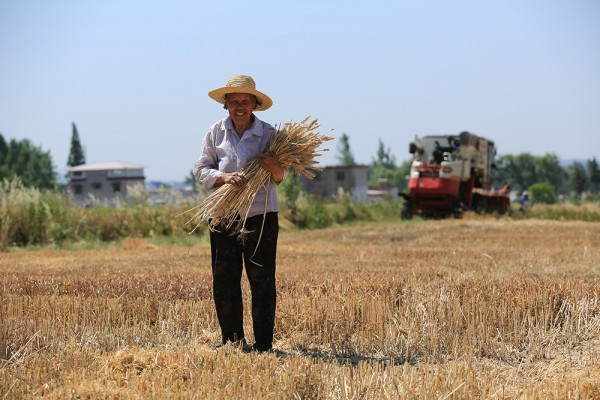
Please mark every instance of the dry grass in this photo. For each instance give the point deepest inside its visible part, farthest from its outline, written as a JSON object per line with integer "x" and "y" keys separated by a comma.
{"x": 469, "y": 308}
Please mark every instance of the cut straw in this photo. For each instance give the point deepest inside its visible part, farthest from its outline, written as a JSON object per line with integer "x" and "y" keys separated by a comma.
{"x": 295, "y": 146}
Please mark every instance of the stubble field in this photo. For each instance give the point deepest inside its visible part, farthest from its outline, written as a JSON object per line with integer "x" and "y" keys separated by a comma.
{"x": 473, "y": 308}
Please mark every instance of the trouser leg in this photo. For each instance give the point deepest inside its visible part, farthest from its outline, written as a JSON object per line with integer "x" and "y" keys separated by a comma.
{"x": 226, "y": 254}
{"x": 262, "y": 276}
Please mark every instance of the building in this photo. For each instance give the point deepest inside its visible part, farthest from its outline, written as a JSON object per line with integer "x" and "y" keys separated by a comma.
{"x": 104, "y": 182}
{"x": 326, "y": 183}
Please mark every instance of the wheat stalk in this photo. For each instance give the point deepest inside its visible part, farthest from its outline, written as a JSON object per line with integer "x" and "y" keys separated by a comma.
{"x": 295, "y": 145}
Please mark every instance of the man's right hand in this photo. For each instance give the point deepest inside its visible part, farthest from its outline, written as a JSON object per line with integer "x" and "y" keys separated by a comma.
{"x": 232, "y": 178}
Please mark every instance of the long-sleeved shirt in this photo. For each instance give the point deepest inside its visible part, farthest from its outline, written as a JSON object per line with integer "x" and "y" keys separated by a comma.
{"x": 224, "y": 151}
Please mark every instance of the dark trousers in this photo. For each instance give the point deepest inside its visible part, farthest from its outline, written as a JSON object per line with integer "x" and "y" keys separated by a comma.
{"x": 229, "y": 254}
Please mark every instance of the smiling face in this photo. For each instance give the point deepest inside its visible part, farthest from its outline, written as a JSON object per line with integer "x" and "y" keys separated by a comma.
{"x": 240, "y": 107}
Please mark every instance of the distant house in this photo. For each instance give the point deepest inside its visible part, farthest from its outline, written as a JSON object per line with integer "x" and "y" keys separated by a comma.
{"x": 104, "y": 181}
{"x": 326, "y": 183}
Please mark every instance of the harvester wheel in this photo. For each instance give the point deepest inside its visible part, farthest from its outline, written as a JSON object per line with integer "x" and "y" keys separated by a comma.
{"x": 405, "y": 212}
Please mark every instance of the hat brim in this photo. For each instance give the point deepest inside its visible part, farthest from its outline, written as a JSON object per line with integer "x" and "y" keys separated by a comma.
{"x": 218, "y": 95}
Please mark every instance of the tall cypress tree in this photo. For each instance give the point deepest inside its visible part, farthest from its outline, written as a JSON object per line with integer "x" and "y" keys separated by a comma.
{"x": 76, "y": 156}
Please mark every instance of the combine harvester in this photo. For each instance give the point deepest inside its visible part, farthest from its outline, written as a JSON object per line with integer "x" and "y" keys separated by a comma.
{"x": 451, "y": 174}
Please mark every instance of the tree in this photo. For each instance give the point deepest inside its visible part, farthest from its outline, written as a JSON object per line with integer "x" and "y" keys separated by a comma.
{"x": 548, "y": 169}
{"x": 523, "y": 170}
{"x": 385, "y": 157}
{"x": 291, "y": 188}
{"x": 384, "y": 169}
{"x": 578, "y": 180}
{"x": 4, "y": 170}
{"x": 594, "y": 175}
{"x": 76, "y": 156}
{"x": 30, "y": 163}
{"x": 543, "y": 192}
{"x": 345, "y": 156}
{"x": 3, "y": 149}
{"x": 404, "y": 172}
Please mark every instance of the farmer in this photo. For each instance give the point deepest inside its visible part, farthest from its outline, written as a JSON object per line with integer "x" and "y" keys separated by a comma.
{"x": 227, "y": 146}
{"x": 523, "y": 201}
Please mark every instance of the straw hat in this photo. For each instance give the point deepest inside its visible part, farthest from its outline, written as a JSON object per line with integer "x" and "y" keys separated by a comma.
{"x": 241, "y": 84}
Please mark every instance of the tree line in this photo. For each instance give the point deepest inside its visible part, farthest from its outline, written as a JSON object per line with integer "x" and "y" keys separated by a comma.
{"x": 22, "y": 159}
{"x": 34, "y": 167}
{"x": 525, "y": 170}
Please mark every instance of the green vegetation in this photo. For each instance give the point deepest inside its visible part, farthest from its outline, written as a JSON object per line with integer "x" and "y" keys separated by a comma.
{"x": 29, "y": 216}
{"x": 576, "y": 211}
{"x": 384, "y": 172}
{"x": 32, "y": 165}
{"x": 76, "y": 155}
{"x": 34, "y": 212}
{"x": 344, "y": 156}
{"x": 524, "y": 170}
{"x": 543, "y": 192}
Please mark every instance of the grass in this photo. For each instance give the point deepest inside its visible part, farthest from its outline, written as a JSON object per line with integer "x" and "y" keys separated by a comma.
{"x": 29, "y": 217}
{"x": 473, "y": 308}
{"x": 567, "y": 211}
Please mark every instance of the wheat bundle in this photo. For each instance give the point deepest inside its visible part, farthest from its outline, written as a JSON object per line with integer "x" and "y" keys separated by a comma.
{"x": 295, "y": 145}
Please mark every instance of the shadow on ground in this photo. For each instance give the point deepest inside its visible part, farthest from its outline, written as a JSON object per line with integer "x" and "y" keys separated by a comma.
{"x": 345, "y": 359}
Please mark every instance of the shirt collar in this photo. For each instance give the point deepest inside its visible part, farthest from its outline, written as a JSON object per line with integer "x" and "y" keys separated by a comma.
{"x": 255, "y": 129}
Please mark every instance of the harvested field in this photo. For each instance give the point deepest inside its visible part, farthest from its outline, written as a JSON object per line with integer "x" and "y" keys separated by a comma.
{"x": 453, "y": 309}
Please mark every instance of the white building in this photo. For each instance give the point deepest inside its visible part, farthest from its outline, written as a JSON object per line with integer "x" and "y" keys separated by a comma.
{"x": 104, "y": 181}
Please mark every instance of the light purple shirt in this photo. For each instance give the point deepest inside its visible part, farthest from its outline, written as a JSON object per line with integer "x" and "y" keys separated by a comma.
{"x": 224, "y": 151}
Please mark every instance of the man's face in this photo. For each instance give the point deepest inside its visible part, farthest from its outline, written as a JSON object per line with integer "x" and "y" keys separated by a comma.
{"x": 240, "y": 107}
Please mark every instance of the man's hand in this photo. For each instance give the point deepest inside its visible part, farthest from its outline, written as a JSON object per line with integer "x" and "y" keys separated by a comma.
{"x": 236, "y": 179}
{"x": 270, "y": 163}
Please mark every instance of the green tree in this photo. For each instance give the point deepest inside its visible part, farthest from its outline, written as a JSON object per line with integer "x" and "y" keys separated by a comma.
{"x": 385, "y": 157}
{"x": 523, "y": 170}
{"x": 76, "y": 156}
{"x": 526, "y": 163}
{"x": 291, "y": 188}
{"x": 30, "y": 163}
{"x": 3, "y": 149}
{"x": 548, "y": 169}
{"x": 543, "y": 192}
{"x": 4, "y": 169}
{"x": 345, "y": 156}
{"x": 404, "y": 172}
{"x": 384, "y": 169}
{"x": 594, "y": 175}
{"x": 578, "y": 179}
{"x": 3, "y": 155}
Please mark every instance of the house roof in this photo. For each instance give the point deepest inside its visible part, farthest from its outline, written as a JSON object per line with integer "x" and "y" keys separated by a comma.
{"x": 104, "y": 166}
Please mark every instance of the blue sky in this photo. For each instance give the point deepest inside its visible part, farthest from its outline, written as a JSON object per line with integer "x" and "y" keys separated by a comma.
{"x": 134, "y": 75}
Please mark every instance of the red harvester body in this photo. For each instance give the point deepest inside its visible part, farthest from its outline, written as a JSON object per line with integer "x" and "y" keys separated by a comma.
{"x": 450, "y": 174}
